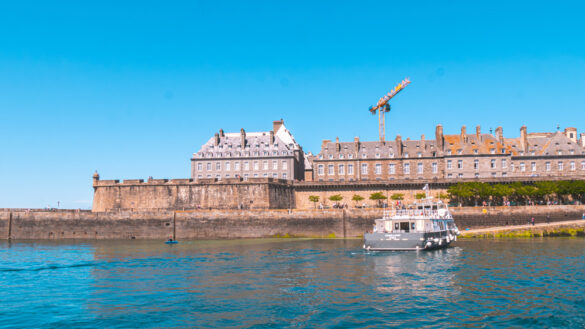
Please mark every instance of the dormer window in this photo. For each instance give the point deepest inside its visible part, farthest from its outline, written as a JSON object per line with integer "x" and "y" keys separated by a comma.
{"x": 533, "y": 153}
{"x": 448, "y": 152}
{"x": 493, "y": 151}
{"x": 330, "y": 156}
{"x": 255, "y": 154}
{"x": 265, "y": 153}
{"x": 476, "y": 151}
{"x": 560, "y": 152}
{"x": 392, "y": 155}
{"x": 459, "y": 151}
{"x": 571, "y": 152}
{"x": 350, "y": 156}
{"x": 320, "y": 156}
{"x": 406, "y": 155}
{"x": 364, "y": 156}
{"x": 419, "y": 154}
{"x": 340, "y": 156}
{"x": 377, "y": 155}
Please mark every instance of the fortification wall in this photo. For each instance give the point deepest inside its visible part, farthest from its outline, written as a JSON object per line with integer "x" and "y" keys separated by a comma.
{"x": 180, "y": 194}
{"x": 204, "y": 224}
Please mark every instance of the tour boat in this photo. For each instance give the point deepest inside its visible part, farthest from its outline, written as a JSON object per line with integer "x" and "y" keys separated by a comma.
{"x": 424, "y": 225}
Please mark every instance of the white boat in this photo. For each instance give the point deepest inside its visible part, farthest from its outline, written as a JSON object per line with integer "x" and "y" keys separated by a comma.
{"x": 424, "y": 225}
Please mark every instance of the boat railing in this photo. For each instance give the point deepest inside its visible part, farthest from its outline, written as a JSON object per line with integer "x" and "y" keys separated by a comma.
{"x": 421, "y": 212}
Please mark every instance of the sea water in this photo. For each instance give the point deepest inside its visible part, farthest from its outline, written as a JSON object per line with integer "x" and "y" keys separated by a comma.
{"x": 291, "y": 283}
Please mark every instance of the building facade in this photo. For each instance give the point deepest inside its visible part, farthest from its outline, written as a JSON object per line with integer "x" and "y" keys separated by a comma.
{"x": 268, "y": 154}
{"x": 476, "y": 155}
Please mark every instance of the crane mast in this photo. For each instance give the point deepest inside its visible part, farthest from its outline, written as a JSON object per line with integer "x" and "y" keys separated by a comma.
{"x": 382, "y": 107}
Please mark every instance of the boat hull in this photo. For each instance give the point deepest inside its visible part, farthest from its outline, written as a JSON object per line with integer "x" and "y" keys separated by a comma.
{"x": 408, "y": 241}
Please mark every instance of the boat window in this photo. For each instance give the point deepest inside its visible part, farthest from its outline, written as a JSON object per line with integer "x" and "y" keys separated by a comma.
{"x": 404, "y": 226}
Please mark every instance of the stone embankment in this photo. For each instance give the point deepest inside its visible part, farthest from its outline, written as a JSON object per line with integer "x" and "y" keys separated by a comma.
{"x": 566, "y": 228}
{"x": 221, "y": 224}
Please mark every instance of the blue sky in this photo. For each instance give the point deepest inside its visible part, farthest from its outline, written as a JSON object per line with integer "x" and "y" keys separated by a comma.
{"x": 132, "y": 89}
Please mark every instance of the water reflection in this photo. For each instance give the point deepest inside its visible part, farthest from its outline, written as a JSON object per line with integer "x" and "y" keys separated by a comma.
{"x": 290, "y": 283}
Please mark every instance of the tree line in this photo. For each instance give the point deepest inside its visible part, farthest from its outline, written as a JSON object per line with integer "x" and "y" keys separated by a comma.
{"x": 550, "y": 192}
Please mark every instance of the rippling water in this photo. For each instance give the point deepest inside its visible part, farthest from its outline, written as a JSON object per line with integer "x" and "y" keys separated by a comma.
{"x": 291, "y": 283}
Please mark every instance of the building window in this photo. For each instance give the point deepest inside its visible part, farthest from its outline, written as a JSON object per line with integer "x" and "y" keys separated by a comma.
{"x": 572, "y": 165}
{"x": 236, "y": 166}
{"x": 284, "y": 165}
{"x": 449, "y": 152}
{"x": 283, "y": 175}
{"x": 460, "y": 175}
{"x": 321, "y": 170}
{"x": 449, "y": 175}
{"x": 265, "y": 175}
{"x": 255, "y": 175}
{"x": 547, "y": 166}
{"x": 228, "y": 166}
{"x": 459, "y": 151}
{"x": 435, "y": 168}
{"x": 330, "y": 156}
{"x": 476, "y": 151}
{"x": 419, "y": 154}
{"x": 364, "y": 156}
{"x": 246, "y": 165}
{"x": 341, "y": 169}
{"x": 340, "y": 156}
{"x": 406, "y": 155}
{"x": 476, "y": 164}
{"x": 350, "y": 169}
{"x": 512, "y": 166}
{"x": 449, "y": 164}
{"x": 199, "y": 176}
{"x": 493, "y": 151}
{"x": 391, "y": 169}
{"x": 330, "y": 169}
{"x": 364, "y": 168}
{"x": 378, "y": 169}
{"x": 493, "y": 163}
{"x": 218, "y": 166}
{"x": 560, "y": 165}
{"x": 245, "y": 177}
{"x": 533, "y": 166}
{"x": 407, "y": 168}
{"x": 582, "y": 165}
{"x": 274, "y": 175}
{"x": 350, "y": 156}
{"x": 377, "y": 155}
{"x": 504, "y": 164}
{"x": 459, "y": 164}
{"x": 504, "y": 174}
{"x": 476, "y": 175}
{"x": 208, "y": 166}
{"x": 255, "y": 165}
{"x": 522, "y": 167}
{"x": 199, "y": 166}
{"x": 265, "y": 165}
{"x": 494, "y": 174}
{"x": 274, "y": 165}
{"x": 560, "y": 152}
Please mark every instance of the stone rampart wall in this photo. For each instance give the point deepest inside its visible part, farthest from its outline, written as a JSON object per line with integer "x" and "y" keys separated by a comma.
{"x": 179, "y": 194}
{"x": 204, "y": 224}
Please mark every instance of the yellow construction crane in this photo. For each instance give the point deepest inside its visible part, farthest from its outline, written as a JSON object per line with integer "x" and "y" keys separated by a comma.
{"x": 382, "y": 107}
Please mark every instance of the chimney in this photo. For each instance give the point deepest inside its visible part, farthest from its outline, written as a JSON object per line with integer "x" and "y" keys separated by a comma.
{"x": 582, "y": 140}
{"x": 216, "y": 140}
{"x": 324, "y": 143}
{"x": 463, "y": 134}
{"x": 337, "y": 145}
{"x": 571, "y": 133}
{"x": 276, "y": 125}
{"x": 242, "y": 138}
{"x": 500, "y": 135}
{"x": 356, "y": 144}
{"x": 221, "y": 134}
{"x": 271, "y": 138}
{"x": 422, "y": 137}
{"x": 439, "y": 137}
{"x": 399, "y": 146}
{"x": 478, "y": 134}
{"x": 523, "y": 139}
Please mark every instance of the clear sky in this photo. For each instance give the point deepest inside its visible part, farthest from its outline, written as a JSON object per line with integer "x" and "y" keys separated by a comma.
{"x": 132, "y": 89}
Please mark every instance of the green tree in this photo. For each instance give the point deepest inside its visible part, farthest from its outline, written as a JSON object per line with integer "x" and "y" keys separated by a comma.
{"x": 336, "y": 197}
{"x": 419, "y": 196}
{"x": 357, "y": 198}
{"x": 546, "y": 191}
{"x": 442, "y": 196}
{"x": 314, "y": 199}
{"x": 397, "y": 196}
{"x": 378, "y": 197}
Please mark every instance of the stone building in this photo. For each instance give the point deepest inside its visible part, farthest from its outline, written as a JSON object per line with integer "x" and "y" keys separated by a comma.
{"x": 476, "y": 155}
{"x": 273, "y": 154}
